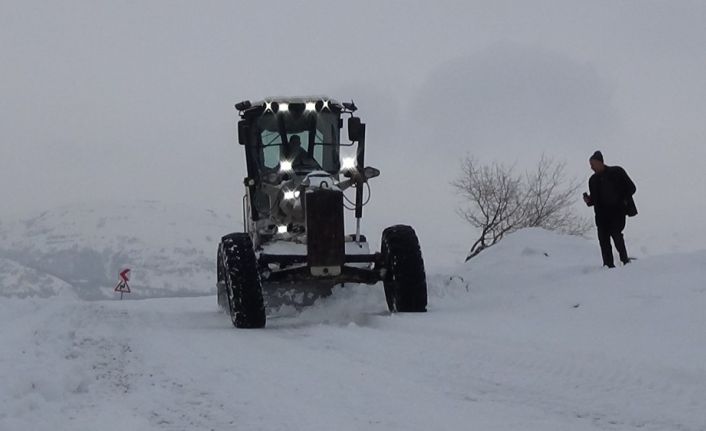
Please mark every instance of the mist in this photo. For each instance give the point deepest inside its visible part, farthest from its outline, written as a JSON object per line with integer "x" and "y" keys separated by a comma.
{"x": 125, "y": 100}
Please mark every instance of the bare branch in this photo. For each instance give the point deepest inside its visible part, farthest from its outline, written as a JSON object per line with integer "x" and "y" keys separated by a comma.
{"x": 499, "y": 201}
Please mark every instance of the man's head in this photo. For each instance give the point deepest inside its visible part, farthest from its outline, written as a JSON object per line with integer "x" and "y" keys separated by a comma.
{"x": 596, "y": 162}
{"x": 295, "y": 141}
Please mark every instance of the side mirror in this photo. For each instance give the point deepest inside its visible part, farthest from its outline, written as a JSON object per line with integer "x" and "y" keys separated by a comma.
{"x": 243, "y": 132}
{"x": 356, "y": 129}
{"x": 370, "y": 172}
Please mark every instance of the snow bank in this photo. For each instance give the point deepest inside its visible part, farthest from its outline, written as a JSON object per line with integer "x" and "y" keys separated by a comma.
{"x": 640, "y": 326}
{"x": 20, "y": 281}
{"x": 170, "y": 248}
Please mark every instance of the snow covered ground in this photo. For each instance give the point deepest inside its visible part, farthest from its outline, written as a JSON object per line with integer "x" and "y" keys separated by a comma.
{"x": 531, "y": 335}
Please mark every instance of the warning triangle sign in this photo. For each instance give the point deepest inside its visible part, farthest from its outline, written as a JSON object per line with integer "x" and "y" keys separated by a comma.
{"x": 122, "y": 287}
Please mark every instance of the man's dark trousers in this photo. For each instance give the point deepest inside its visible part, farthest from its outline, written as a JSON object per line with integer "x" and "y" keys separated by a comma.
{"x": 611, "y": 225}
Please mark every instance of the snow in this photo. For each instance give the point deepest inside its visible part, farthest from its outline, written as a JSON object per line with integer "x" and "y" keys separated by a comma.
{"x": 530, "y": 335}
{"x": 21, "y": 281}
{"x": 170, "y": 248}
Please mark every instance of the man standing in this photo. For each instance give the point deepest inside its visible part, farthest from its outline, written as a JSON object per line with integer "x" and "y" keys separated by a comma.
{"x": 610, "y": 196}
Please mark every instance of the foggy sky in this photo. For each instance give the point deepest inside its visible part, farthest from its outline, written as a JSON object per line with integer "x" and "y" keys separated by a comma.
{"x": 119, "y": 100}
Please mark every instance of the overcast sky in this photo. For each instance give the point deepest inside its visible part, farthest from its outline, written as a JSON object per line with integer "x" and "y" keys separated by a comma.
{"x": 118, "y": 100}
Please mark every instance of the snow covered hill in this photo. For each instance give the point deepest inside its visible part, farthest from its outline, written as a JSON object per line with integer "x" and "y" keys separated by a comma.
{"x": 170, "y": 249}
{"x": 530, "y": 335}
{"x": 21, "y": 281}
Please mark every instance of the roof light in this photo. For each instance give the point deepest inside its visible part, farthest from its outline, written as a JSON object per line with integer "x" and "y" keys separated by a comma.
{"x": 285, "y": 165}
{"x": 311, "y": 106}
{"x": 283, "y": 107}
{"x": 282, "y": 229}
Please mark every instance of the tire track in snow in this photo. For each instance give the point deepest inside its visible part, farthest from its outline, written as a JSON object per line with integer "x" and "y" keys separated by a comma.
{"x": 607, "y": 392}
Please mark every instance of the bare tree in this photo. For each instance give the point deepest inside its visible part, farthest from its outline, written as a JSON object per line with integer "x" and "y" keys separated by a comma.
{"x": 494, "y": 194}
{"x": 549, "y": 198}
{"x": 500, "y": 201}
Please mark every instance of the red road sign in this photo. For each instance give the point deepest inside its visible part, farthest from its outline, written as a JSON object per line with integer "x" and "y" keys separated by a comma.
{"x": 125, "y": 275}
{"x": 122, "y": 286}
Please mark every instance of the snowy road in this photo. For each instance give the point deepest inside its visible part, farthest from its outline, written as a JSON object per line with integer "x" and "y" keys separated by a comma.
{"x": 558, "y": 355}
